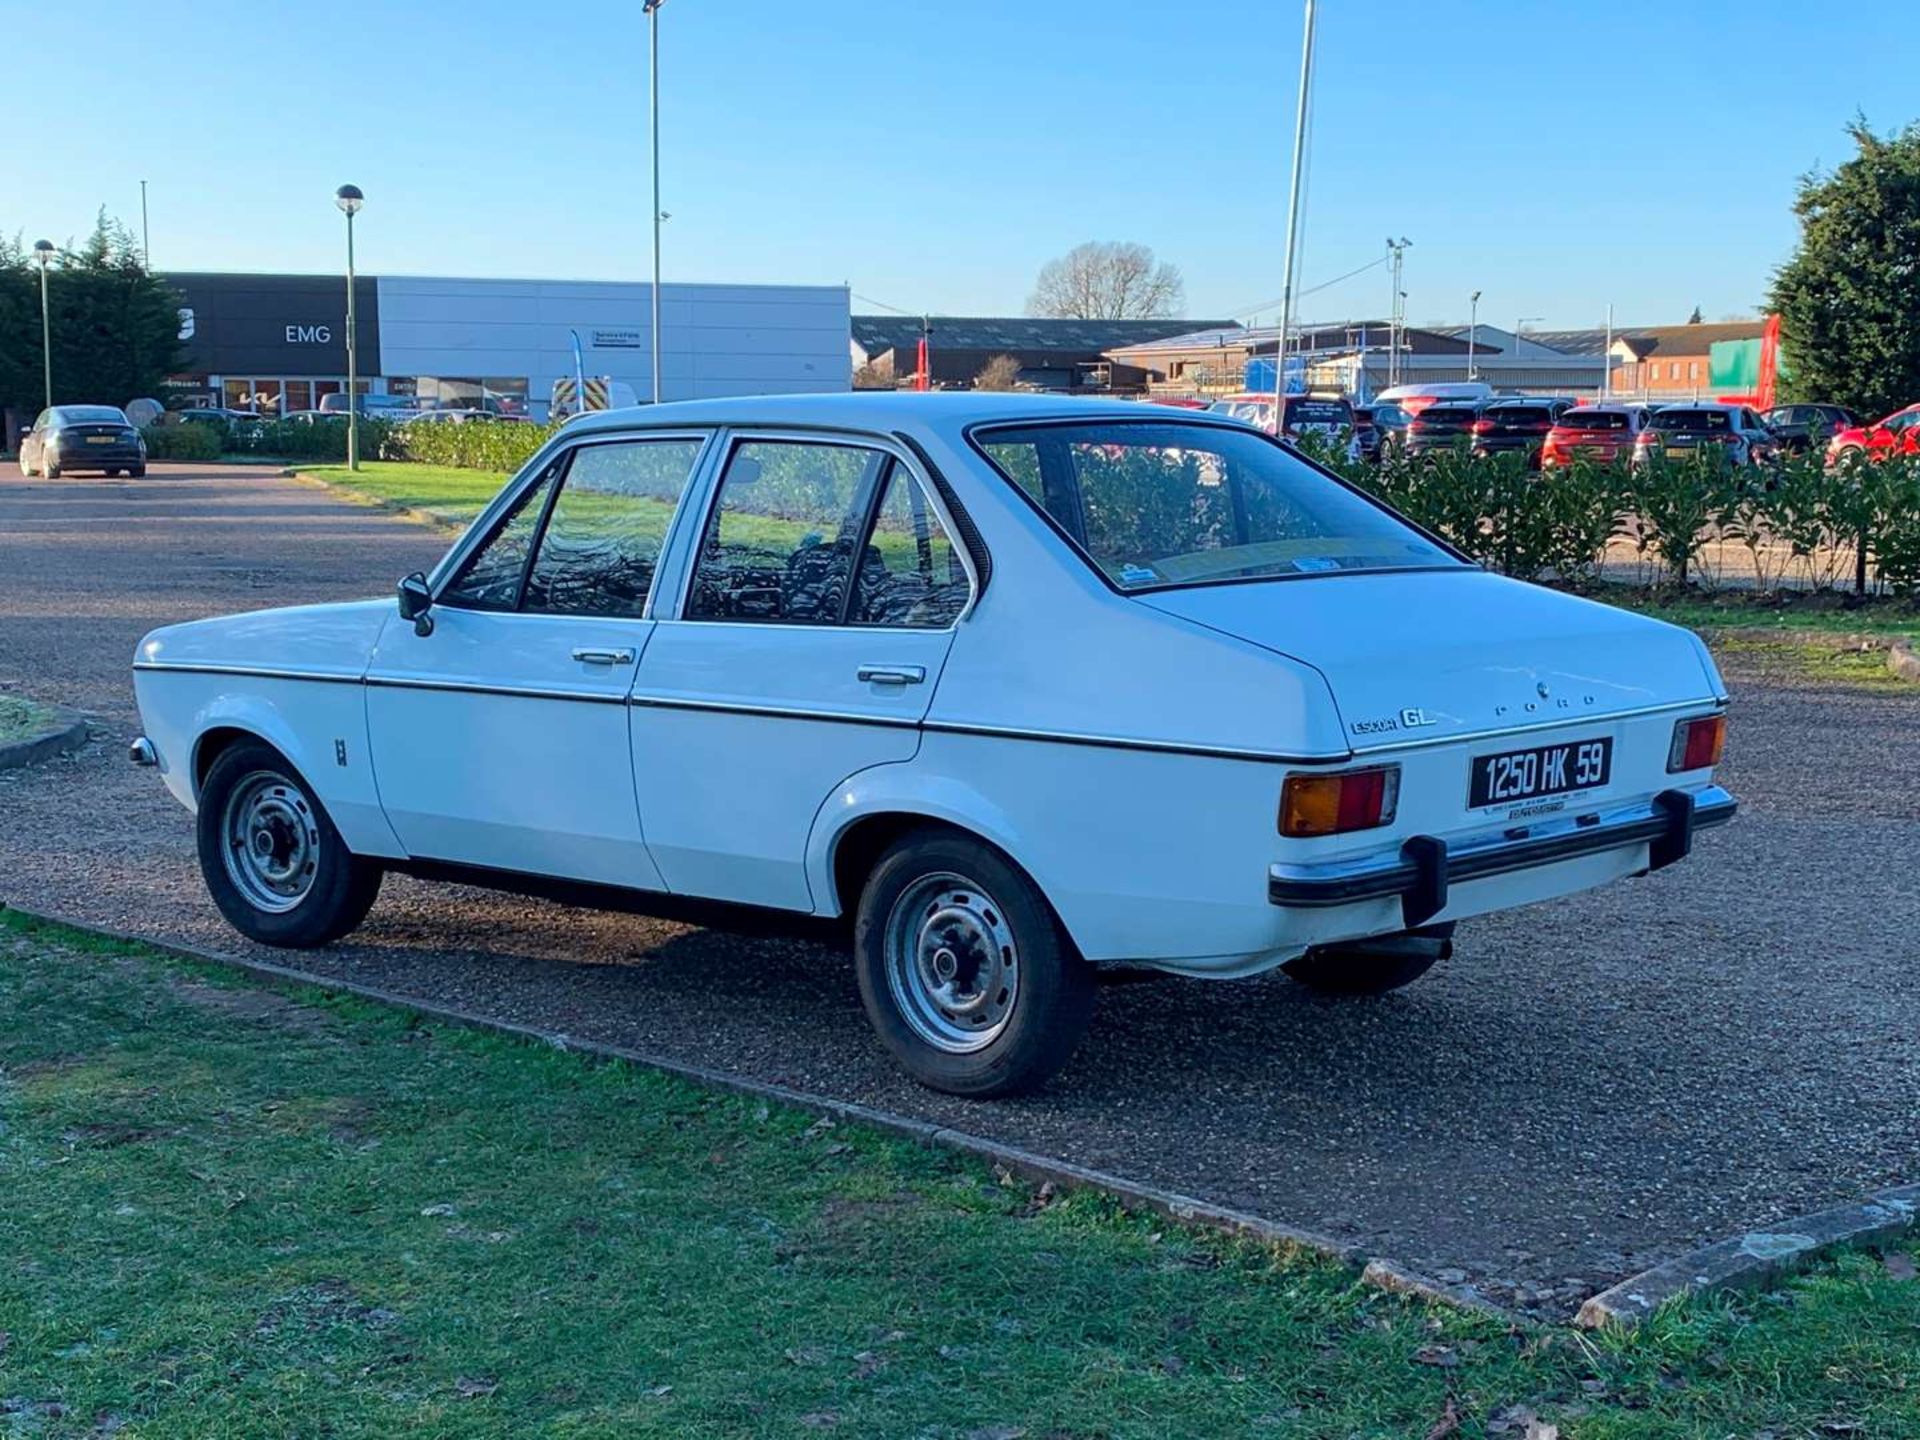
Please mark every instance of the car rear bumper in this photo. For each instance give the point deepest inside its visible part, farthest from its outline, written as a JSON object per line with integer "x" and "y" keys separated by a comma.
{"x": 98, "y": 457}
{"x": 1423, "y": 868}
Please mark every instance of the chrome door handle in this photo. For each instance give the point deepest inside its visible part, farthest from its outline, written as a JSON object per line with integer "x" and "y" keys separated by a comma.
{"x": 603, "y": 657}
{"x": 893, "y": 674}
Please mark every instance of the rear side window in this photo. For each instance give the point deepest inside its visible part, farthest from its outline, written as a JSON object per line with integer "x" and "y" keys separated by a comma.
{"x": 779, "y": 546}
{"x": 910, "y": 575}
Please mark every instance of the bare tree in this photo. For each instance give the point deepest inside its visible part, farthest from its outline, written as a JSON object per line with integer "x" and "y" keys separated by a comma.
{"x": 1002, "y": 372}
{"x": 1107, "y": 280}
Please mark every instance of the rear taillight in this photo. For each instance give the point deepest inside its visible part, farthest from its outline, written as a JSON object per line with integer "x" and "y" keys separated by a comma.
{"x": 1337, "y": 803}
{"x": 1697, "y": 744}
{"x": 1482, "y": 427}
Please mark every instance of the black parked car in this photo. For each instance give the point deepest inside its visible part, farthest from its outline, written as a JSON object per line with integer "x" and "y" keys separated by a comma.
{"x": 1442, "y": 426}
{"x": 83, "y": 437}
{"x": 1388, "y": 423}
{"x": 1799, "y": 428}
{"x": 1519, "y": 424}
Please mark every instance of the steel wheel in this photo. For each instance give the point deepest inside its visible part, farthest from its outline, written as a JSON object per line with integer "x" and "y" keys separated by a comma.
{"x": 952, "y": 967}
{"x": 272, "y": 849}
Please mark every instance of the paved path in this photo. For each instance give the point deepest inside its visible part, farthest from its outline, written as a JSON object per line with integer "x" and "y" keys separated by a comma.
{"x": 1589, "y": 1086}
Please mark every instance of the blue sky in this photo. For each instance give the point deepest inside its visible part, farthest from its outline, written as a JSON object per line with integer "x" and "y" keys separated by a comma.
{"x": 936, "y": 154}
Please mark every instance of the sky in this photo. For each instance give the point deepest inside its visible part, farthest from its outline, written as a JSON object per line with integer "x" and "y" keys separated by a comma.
{"x": 934, "y": 155}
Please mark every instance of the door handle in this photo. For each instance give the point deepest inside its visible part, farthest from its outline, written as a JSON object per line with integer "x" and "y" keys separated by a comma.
{"x": 603, "y": 657}
{"x": 893, "y": 674}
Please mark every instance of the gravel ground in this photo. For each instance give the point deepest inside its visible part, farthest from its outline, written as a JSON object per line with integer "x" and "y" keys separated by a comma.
{"x": 1590, "y": 1086}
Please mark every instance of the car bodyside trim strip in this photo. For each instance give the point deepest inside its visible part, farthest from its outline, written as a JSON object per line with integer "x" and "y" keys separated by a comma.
{"x": 465, "y": 687}
{"x": 1117, "y": 742}
{"x": 262, "y": 672}
{"x": 775, "y": 712}
{"x": 1558, "y": 721}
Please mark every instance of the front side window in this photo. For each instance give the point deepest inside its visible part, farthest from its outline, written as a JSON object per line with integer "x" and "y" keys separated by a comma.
{"x": 490, "y": 580}
{"x": 1155, "y": 505}
{"x": 603, "y": 538}
{"x": 779, "y": 546}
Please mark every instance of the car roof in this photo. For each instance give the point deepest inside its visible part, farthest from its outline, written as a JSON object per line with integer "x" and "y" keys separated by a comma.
{"x": 885, "y": 410}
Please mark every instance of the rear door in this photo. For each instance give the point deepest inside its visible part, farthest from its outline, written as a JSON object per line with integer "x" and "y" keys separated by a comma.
{"x": 805, "y": 646}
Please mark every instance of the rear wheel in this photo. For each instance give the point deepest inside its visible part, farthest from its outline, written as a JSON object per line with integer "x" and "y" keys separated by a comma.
{"x": 964, "y": 969}
{"x": 271, "y": 857}
{"x": 1372, "y": 967}
{"x": 138, "y": 472}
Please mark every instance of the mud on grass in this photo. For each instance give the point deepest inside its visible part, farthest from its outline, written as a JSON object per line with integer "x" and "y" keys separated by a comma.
{"x": 321, "y": 1216}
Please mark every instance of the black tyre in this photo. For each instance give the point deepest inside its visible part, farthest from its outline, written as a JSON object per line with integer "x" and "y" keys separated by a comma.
{"x": 138, "y": 472}
{"x": 271, "y": 858}
{"x": 50, "y": 469}
{"x": 1372, "y": 967}
{"x": 965, "y": 970}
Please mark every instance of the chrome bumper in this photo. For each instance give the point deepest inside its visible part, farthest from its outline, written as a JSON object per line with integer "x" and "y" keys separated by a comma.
{"x": 141, "y": 752}
{"x": 1420, "y": 872}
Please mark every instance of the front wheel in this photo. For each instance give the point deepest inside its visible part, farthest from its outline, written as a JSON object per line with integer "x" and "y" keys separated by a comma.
{"x": 50, "y": 469}
{"x": 964, "y": 969}
{"x": 271, "y": 857}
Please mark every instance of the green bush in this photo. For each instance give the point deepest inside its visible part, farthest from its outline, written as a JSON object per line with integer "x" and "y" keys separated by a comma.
{"x": 192, "y": 442}
{"x": 472, "y": 445}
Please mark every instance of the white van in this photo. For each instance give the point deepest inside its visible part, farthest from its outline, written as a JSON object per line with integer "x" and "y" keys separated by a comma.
{"x": 1415, "y": 398}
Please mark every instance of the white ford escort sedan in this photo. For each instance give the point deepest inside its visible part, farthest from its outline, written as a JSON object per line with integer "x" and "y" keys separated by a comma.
{"x": 1017, "y": 689}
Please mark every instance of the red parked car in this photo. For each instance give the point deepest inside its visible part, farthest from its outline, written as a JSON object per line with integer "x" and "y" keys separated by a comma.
{"x": 1898, "y": 434}
{"x": 1593, "y": 432}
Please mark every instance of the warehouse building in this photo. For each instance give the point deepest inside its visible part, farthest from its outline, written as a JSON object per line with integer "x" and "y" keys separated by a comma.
{"x": 277, "y": 343}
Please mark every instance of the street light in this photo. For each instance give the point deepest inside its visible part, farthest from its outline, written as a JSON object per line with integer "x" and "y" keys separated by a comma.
{"x": 1519, "y": 325}
{"x": 652, "y": 11}
{"x": 349, "y": 199}
{"x": 43, "y": 251}
{"x": 1473, "y": 331}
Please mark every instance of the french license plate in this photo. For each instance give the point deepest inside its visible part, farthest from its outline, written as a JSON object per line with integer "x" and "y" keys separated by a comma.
{"x": 100, "y": 439}
{"x": 1543, "y": 770}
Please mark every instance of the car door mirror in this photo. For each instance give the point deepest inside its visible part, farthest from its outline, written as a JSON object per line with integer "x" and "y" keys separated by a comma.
{"x": 416, "y": 600}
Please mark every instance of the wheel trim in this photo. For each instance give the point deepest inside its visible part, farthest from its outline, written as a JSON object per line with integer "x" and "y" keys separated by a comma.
{"x": 270, "y": 841}
{"x": 953, "y": 969}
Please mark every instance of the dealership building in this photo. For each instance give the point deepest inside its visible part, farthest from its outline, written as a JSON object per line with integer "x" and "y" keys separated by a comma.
{"x": 277, "y": 343}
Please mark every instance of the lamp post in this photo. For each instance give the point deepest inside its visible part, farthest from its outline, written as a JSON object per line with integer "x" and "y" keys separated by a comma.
{"x": 1396, "y": 312}
{"x": 349, "y": 199}
{"x": 1293, "y": 225}
{"x": 652, "y": 11}
{"x": 1473, "y": 332}
{"x": 43, "y": 251}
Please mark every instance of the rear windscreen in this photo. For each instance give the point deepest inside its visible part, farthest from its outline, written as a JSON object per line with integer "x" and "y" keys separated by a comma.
{"x": 1709, "y": 421}
{"x": 1594, "y": 420}
{"x": 1519, "y": 415}
{"x": 1446, "y": 415}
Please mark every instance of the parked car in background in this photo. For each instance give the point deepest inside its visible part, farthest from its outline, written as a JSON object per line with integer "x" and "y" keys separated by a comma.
{"x": 785, "y": 654}
{"x": 213, "y": 415}
{"x": 373, "y": 407}
{"x": 1593, "y": 432}
{"x": 1414, "y": 398}
{"x": 1442, "y": 426}
{"x": 1799, "y": 428}
{"x": 1732, "y": 430}
{"x": 1897, "y": 434}
{"x": 1254, "y": 410}
{"x": 315, "y": 417}
{"x": 1390, "y": 423}
{"x": 70, "y": 438}
{"x": 1517, "y": 426}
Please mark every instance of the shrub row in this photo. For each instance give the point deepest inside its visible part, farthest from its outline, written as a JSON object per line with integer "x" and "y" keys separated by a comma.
{"x": 476, "y": 445}
{"x": 1798, "y": 522}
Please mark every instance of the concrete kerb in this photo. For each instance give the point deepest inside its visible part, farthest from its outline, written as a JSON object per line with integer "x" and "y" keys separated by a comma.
{"x": 1758, "y": 1258}
{"x": 1902, "y": 661}
{"x": 1379, "y": 1273}
{"x": 436, "y": 520}
{"x": 68, "y": 733}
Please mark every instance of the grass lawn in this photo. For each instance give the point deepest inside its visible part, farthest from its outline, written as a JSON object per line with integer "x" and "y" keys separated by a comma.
{"x": 457, "y": 494}
{"x": 20, "y": 718}
{"x": 1737, "y": 610}
{"x": 232, "y": 1212}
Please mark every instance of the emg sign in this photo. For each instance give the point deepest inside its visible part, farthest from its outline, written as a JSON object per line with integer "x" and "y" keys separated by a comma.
{"x": 309, "y": 334}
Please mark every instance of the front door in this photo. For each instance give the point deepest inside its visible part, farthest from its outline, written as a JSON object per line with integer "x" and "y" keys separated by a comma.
{"x": 819, "y": 612}
{"x": 500, "y": 738}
